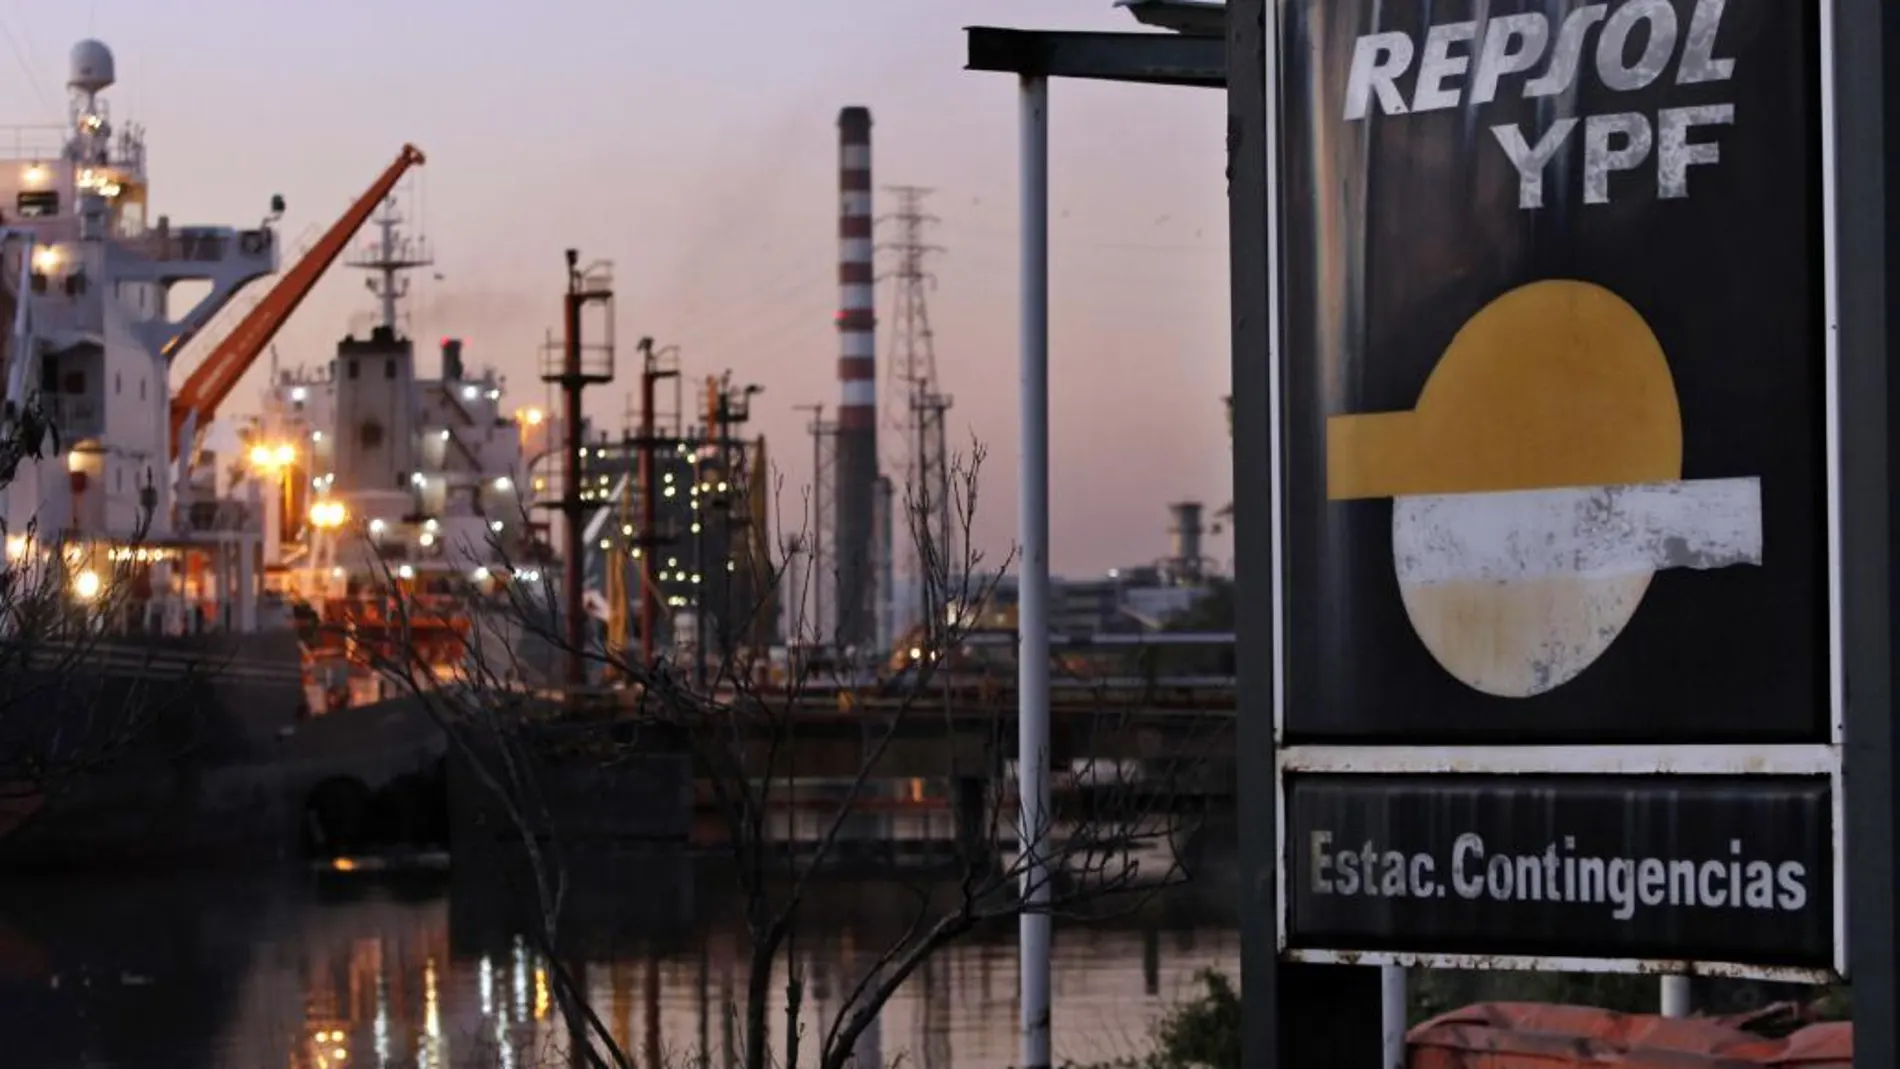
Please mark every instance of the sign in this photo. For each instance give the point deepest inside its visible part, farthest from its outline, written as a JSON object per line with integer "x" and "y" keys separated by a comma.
{"x": 1553, "y": 427}
{"x": 1705, "y": 868}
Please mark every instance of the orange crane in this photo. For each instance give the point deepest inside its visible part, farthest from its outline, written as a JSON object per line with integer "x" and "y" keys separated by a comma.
{"x": 212, "y": 381}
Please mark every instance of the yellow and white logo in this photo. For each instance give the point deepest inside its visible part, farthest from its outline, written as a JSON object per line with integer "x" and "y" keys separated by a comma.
{"x": 1537, "y": 487}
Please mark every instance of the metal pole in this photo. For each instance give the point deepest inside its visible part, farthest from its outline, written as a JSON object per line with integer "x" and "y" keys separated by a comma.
{"x": 650, "y": 516}
{"x": 1675, "y": 996}
{"x": 1858, "y": 33}
{"x": 571, "y": 504}
{"x": 1032, "y": 620}
{"x": 1392, "y": 1015}
{"x": 817, "y": 524}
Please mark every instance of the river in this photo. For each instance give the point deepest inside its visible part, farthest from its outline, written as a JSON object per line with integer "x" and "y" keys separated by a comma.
{"x": 328, "y": 971}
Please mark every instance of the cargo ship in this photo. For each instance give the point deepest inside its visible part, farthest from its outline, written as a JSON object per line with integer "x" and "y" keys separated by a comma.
{"x": 157, "y": 699}
{"x": 399, "y": 492}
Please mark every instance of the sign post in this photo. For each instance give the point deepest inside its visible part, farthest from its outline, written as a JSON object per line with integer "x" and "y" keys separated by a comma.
{"x": 1557, "y": 489}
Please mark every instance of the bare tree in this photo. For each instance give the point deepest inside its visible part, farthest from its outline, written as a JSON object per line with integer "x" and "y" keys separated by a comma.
{"x": 745, "y": 731}
{"x": 61, "y": 718}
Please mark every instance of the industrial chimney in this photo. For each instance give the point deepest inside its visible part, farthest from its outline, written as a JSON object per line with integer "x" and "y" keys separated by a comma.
{"x": 1186, "y": 536}
{"x": 856, "y": 463}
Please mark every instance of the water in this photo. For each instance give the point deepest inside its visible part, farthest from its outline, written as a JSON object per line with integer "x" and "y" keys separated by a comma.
{"x": 339, "y": 970}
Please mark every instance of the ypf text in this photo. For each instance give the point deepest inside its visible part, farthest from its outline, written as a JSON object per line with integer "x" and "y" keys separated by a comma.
{"x": 1628, "y": 47}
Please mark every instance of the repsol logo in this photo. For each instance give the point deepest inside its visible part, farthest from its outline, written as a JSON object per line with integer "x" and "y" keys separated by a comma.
{"x": 1625, "y": 47}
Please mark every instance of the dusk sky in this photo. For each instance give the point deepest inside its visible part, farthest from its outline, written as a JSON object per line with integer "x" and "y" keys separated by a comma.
{"x": 695, "y": 144}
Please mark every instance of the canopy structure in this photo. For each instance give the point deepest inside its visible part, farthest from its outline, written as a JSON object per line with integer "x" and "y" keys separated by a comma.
{"x": 1194, "y": 54}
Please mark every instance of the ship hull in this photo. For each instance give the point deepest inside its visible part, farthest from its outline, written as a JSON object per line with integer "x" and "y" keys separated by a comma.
{"x": 219, "y": 760}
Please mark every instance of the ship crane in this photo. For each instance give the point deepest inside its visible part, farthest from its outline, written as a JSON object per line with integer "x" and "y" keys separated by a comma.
{"x": 197, "y": 400}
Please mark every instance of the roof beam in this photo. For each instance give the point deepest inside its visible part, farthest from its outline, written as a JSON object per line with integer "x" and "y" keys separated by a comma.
{"x": 1145, "y": 58}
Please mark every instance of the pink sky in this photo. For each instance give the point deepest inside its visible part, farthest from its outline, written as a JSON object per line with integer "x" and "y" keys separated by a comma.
{"x": 695, "y": 145}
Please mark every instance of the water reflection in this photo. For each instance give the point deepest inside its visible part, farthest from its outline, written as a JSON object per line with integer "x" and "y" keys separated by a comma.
{"x": 340, "y": 971}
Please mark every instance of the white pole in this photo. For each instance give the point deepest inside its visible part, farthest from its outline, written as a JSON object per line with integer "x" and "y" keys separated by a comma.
{"x": 1032, "y": 609}
{"x": 1392, "y": 1015}
{"x": 1675, "y": 996}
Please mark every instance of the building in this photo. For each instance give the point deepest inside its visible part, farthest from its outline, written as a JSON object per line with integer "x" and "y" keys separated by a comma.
{"x": 711, "y": 563}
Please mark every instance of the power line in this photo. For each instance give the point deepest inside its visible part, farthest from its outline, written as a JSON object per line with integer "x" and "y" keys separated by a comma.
{"x": 20, "y": 53}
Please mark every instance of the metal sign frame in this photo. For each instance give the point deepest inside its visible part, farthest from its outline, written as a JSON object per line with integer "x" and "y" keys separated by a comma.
{"x": 1813, "y": 759}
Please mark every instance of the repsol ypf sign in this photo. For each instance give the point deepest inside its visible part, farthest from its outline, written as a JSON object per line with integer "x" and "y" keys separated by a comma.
{"x": 1553, "y": 428}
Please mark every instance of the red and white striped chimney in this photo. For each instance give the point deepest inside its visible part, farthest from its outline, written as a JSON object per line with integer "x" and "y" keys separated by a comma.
{"x": 856, "y": 462}
{"x": 857, "y": 316}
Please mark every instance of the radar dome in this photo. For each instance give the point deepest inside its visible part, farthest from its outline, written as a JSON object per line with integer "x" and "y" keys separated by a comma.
{"x": 92, "y": 68}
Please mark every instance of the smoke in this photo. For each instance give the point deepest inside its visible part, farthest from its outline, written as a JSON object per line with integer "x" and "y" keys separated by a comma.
{"x": 477, "y": 311}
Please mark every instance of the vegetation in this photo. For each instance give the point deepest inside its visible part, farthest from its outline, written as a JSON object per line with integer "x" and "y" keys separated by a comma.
{"x": 1201, "y": 1032}
{"x": 743, "y": 733}
{"x": 57, "y": 719}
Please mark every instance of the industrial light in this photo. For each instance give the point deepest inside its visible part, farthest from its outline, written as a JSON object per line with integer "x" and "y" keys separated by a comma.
{"x": 479, "y": 574}
{"x": 470, "y": 393}
{"x": 495, "y": 525}
{"x": 34, "y": 174}
{"x": 273, "y": 457}
{"x": 445, "y": 434}
{"x": 298, "y": 393}
{"x": 331, "y": 514}
{"x": 377, "y": 526}
{"x": 316, "y": 436}
{"x": 406, "y": 572}
{"x": 16, "y": 546}
{"x": 426, "y": 539}
{"x": 503, "y": 484}
{"x": 86, "y": 585}
{"x": 46, "y": 259}
{"x": 531, "y": 416}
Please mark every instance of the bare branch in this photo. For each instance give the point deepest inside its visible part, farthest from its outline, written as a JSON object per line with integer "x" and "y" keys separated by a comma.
{"x": 743, "y": 728}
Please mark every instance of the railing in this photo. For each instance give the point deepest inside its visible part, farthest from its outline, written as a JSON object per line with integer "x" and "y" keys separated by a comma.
{"x": 1083, "y": 642}
{"x": 36, "y": 141}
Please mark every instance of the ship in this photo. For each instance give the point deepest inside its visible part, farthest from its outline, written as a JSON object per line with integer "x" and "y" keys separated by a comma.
{"x": 401, "y": 505}
{"x": 159, "y": 702}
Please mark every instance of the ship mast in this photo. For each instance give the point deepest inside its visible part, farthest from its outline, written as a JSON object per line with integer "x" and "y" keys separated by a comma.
{"x": 388, "y": 259}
